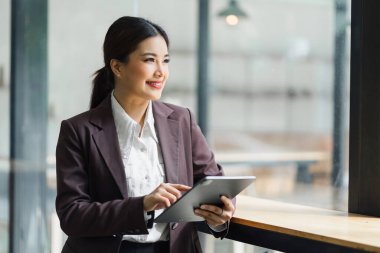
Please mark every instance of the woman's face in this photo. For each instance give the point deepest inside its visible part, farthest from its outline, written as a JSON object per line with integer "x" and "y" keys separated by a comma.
{"x": 146, "y": 71}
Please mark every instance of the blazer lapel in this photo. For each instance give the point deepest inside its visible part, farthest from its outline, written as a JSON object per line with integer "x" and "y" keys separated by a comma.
{"x": 106, "y": 141}
{"x": 167, "y": 133}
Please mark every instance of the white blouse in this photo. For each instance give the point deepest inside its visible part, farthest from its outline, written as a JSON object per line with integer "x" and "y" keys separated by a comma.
{"x": 143, "y": 163}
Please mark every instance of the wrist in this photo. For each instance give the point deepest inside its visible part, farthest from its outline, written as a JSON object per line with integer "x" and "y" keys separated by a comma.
{"x": 145, "y": 203}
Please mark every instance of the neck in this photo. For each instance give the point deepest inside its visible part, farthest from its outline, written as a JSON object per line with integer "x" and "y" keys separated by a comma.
{"x": 135, "y": 108}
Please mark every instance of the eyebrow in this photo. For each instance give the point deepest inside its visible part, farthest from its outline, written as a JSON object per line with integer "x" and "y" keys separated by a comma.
{"x": 153, "y": 54}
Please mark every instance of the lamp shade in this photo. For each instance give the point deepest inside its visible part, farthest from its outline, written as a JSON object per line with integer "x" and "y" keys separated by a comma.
{"x": 232, "y": 9}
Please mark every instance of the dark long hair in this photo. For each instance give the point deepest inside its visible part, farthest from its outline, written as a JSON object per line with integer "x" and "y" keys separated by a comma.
{"x": 121, "y": 40}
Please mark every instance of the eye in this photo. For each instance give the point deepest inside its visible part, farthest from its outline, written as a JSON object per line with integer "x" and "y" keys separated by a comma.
{"x": 166, "y": 60}
{"x": 149, "y": 60}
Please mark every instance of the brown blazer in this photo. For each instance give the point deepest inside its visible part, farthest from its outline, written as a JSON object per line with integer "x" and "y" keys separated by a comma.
{"x": 92, "y": 201}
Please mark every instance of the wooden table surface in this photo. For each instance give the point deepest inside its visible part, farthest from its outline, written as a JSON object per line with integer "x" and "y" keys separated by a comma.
{"x": 334, "y": 227}
{"x": 295, "y": 156}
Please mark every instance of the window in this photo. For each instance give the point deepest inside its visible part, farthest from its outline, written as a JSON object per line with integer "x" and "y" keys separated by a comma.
{"x": 4, "y": 122}
{"x": 272, "y": 80}
{"x": 272, "y": 104}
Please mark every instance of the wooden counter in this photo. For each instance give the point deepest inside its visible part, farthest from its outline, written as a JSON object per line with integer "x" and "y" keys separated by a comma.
{"x": 296, "y": 228}
{"x": 271, "y": 157}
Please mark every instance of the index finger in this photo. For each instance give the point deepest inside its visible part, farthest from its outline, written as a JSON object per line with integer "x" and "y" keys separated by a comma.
{"x": 181, "y": 187}
{"x": 176, "y": 189}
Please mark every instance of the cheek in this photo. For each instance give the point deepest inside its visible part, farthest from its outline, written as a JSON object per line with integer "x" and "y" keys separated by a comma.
{"x": 167, "y": 73}
{"x": 140, "y": 71}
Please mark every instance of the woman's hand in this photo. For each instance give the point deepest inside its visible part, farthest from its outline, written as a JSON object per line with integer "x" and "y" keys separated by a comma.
{"x": 164, "y": 196}
{"x": 215, "y": 215}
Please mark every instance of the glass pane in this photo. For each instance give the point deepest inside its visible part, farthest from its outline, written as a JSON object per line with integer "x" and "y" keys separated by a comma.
{"x": 4, "y": 122}
{"x": 272, "y": 107}
{"x": 75, "y": 53}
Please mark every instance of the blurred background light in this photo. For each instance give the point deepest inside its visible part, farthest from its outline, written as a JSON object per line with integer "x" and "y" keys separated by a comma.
{"x": 232, "y": 13}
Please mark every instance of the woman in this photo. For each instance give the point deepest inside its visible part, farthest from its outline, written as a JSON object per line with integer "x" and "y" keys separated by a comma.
{"x": 130, "y": 156}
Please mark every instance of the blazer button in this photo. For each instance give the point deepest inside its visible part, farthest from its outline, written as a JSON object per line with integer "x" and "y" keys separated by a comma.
{"x": 174, "y": 225}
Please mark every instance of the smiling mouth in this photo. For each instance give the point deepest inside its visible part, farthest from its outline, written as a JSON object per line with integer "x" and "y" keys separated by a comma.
{"x": 155, "y": 85}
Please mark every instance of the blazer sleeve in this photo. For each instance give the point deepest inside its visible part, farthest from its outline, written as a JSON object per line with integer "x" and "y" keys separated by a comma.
{"x": 79, "y": 215}
{"x": 204, "y": 164}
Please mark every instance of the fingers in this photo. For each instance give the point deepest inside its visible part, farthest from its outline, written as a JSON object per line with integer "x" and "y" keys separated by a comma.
{"x": 176, "y": 189}
{"x": 172, "y": 191}
{"x": 210, "y": 217}
{"x": 215, "y": 212}
{"x": 215, "y": 215}
{"x": 181, "y": 187}
{"x": 163, "y": 196}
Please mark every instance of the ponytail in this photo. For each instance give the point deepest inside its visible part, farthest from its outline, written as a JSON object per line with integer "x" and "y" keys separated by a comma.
{"x": 103, "y": 85}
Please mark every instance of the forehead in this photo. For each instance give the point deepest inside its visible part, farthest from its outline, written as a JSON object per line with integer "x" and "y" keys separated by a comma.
{"x": 156, "y": 45}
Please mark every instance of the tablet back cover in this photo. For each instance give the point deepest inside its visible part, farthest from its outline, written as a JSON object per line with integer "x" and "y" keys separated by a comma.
{"x": 207, "y": 191}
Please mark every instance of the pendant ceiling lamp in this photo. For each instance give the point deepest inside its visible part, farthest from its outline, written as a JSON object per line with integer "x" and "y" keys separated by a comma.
{"x": 232, "y": 13}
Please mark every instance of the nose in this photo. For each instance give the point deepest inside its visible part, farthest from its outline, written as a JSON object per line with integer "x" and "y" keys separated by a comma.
{"x": 159, "y": 73}
{"x": 160, "y": 70}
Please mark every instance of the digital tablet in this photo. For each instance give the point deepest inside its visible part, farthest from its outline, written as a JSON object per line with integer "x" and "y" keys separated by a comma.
{"x": 207, "y": 191}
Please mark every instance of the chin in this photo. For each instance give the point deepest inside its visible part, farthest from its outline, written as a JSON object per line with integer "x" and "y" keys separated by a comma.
{"x": 153, "y": 98}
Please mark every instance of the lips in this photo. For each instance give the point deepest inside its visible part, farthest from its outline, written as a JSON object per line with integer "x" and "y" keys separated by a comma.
{"x": 154, "y": 84}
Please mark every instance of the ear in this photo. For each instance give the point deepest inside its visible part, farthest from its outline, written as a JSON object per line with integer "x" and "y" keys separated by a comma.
{"x": 116, "y": 67}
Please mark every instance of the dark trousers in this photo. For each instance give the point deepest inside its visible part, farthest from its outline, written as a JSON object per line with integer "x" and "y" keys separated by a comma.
{"x": 133, "y": 247}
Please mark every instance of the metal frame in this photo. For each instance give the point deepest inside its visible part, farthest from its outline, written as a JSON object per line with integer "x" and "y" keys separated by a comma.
{"x": 28, "y": 105}
{"x": 203, "y": 62}
{"x": 364, "y": 169}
